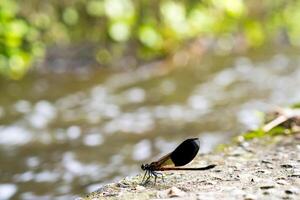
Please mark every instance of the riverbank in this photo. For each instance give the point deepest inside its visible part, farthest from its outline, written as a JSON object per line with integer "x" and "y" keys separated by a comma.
{"x": 267, "y": 168}
{"x": 264, "y": 168}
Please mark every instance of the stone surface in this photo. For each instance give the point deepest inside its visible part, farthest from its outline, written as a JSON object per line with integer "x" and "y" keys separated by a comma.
{"x": 271, "y": 170}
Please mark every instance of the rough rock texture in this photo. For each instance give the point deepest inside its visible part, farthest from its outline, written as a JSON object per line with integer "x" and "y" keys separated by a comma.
{"x": 268, "y": 168}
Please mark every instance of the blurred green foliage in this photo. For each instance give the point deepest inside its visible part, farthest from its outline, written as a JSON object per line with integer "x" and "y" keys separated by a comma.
{"x": 260, "y": 133}
{"x": 296, "y": 105}
{"x": 18, "y": 41}
{"x": 148, "y": 28}
{"x": 283, "y": 128}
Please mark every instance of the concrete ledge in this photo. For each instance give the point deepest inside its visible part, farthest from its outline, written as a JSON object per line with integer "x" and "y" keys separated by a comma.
{"x": 265, "y": 168}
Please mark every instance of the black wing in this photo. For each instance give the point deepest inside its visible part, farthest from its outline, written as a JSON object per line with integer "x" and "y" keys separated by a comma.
{"x": 185, "y": 152}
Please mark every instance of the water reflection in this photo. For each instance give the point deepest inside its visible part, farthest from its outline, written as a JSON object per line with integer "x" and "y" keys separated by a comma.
{"x": 7, "y": 190}
{"x": 15, "y": 135}
{"x": 55, "y": 147}
{"x": 142, "y": 150}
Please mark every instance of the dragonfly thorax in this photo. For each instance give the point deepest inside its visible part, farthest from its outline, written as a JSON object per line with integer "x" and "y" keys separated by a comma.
{"x": 150, "y": 167}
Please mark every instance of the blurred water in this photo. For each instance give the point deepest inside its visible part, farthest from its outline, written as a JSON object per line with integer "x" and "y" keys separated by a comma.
{"x": 66, "y": 134}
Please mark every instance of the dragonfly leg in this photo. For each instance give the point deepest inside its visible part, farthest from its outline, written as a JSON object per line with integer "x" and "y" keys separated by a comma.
{"x": 161, "y": 174}
{"x": 148, "y": 177}
{"x": 156, "y": 174}
{"x": 146, "y": 172}
{"x": 145, "y": 177}
{"x": 155, "y": 177}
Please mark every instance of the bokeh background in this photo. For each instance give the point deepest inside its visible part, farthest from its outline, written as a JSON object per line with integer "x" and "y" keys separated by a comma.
{"x": 91, "y": 89}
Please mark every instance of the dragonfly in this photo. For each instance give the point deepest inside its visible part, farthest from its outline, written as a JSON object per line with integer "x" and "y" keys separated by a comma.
{"x": 181, "y": 156}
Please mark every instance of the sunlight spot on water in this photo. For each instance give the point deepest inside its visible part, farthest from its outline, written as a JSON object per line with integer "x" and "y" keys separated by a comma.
{"x": 142, "y": 150}
{"x": 23, "y": 106}
{"x": 209, "y": 140}
{"x": 7, "y": 190}
{"x": 71, "y": 164}
{"x": 176, "y": 112}
{"x": 112, "y": 111}
{"x": 43, "y": 113}
{"x": 199, "y": 102}
{"x": 24, "y": 177}
{"x": 14, "y": 135}
{"x": 76, "y": 168}
{"x": 135, "y": 95}
{"x": 93, "y": 139}
{"x": 32, "y": 162}
{"x": 225, "y": 77}
{"x": 73, "y": 132}
{"x": 99, "y": 93}
{"x": 130, "y": 122}
{"x": 164, "y": 146}
{"x": 47, "y": 176}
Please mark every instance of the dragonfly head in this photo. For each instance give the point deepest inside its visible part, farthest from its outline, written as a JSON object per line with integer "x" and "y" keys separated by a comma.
{"x": 145, "y": 166}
